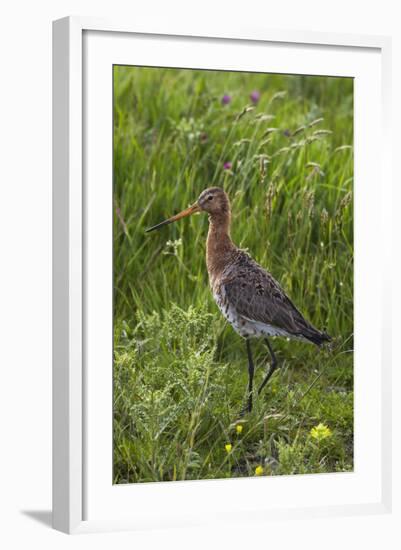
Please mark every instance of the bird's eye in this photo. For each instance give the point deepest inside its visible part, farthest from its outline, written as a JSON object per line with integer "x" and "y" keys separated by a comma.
{"x": 210, "y": 197}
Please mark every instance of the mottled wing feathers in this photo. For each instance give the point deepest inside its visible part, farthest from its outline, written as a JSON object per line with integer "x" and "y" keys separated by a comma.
{"x": 257, "y": 296}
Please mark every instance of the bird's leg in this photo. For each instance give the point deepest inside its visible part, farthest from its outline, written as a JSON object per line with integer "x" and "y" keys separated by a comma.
{"x": 251, "y": 370}
{"x": 272, "y": 368}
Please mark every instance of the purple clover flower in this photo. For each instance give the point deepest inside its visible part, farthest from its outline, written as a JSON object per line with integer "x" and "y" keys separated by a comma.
{"x": 255, "y": 96}
{"x": 226, "y": 99}
{"x": 227, "y": 165}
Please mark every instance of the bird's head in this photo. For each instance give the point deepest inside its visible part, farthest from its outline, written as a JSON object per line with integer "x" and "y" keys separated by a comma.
{"x": 213, "y": 200}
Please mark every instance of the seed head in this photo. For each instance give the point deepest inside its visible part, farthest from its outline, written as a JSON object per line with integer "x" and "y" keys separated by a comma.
{"x": 324, "y": 216}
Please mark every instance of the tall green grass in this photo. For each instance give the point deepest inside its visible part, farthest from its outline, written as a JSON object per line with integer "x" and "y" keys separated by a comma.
{"x": 179, "y": 370}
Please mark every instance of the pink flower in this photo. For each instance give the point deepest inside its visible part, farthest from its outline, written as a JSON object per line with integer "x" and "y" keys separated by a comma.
{"x": 227, "y": 165}
{"x": 255, "y": 96}
{"x": 226, "y": 99}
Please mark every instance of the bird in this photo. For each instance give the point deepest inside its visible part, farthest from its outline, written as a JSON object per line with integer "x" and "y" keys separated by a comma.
{"x": 248, "y": 296}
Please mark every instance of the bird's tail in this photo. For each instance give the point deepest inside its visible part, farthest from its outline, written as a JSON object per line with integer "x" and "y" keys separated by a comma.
{"x": 317, "y": 337}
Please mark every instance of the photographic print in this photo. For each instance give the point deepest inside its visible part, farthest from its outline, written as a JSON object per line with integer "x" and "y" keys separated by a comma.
{"x": 232, "y": 274}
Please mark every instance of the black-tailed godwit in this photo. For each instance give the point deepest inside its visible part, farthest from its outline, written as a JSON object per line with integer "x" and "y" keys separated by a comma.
{"x": 247, "y": 295}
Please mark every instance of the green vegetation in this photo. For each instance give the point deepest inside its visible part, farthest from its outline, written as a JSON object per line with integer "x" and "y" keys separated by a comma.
{"x": 180, "y": 372}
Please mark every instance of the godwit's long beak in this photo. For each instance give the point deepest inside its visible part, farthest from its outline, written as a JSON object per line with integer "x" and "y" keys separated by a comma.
{"x": 191, "y": 210}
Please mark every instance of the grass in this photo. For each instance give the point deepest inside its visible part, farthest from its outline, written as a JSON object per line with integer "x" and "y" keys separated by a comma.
{"x": 180, "y": 372}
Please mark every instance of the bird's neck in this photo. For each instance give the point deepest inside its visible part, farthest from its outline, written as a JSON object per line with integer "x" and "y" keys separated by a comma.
{"x": 219, "y": 246}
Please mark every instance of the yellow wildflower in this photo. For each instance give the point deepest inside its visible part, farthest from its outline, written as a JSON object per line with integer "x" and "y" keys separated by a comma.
{"x": 259, "y": 470}
{"x": 321, "y": 431}
{"x": 238, "y": 428}
{"x": 228, "y": 447}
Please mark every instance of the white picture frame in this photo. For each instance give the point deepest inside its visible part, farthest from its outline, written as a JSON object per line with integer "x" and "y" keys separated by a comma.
{"x": 77, "y": 479}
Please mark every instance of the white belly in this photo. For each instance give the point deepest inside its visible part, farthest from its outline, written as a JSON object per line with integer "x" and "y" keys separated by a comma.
{"x": 242, "y": 325}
